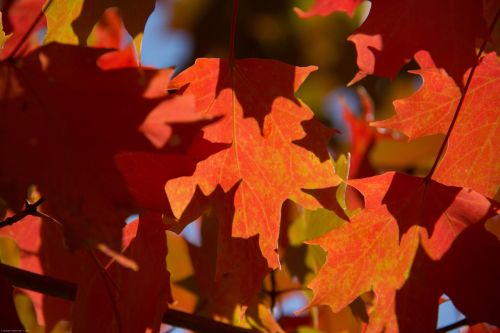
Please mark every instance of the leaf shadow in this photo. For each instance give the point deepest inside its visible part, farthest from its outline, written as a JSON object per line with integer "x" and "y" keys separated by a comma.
{"x": 417, "y": 201}
{"x": 257, "y": 84}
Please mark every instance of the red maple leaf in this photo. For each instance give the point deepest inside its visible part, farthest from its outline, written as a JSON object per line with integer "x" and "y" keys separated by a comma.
{"x": 471, "y": 159}
{"x": 229, "y": 270}
{"x": 267, "y": 164}
{"x": 395, "y": 31}
{"x": 17, "y": 18}
{"x": 376, "y": 250}
{"x": 363, "y": 137}
{"x": 146, "y": 174}
{"x": 62, "y": 128}
{"x": 42, "y": 250}
{"x": 467, "y": 274}
{"x": 109, "y": 301}
{"x": 134, "y": 14}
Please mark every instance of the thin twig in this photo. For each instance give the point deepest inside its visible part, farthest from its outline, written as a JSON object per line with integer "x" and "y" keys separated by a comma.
{"x": 67, "y": 290}
{"x": 29, "y": 209}
{"x": 29, "y": 31}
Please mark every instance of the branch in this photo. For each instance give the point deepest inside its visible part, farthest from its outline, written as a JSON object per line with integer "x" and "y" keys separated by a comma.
{"x": 67, "y": 290}
{"x": 30, "y": 209}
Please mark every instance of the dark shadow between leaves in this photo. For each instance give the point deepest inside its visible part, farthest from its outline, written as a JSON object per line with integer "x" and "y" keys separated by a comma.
{"x": 134, "y": 13}
{"x": 468, "y": 273}
{"x": 317, "y": 138}
{"x": 229, "y": 270}
{"x": 417, "y": 201}
{"x": 327, "y": 198}
{"x": 257, "y": 83}
{"x": 417, "y": 301}
{"x": 77, "y": 118}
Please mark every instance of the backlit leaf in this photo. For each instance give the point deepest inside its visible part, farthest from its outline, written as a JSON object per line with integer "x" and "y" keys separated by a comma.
{"x": 375, "y": 251}
{"x": 395, "y": 31}
{"x": 266, "y": 162}
{"x": 471, "y": 159}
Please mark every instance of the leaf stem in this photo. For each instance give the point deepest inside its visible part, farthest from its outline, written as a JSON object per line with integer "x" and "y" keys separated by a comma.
{"x": 67, "y": 290}
{"x": 462, "y": 98}
{"x": 40, "y": 283}
{"x": 29, "y": 31}
{"x": 232, "y": 34}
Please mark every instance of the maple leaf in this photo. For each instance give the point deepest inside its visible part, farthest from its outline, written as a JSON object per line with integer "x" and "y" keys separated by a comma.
{"x": 49, "y": 130}
{"x": 44, "y": 257}
{"x": 467, "y": 273}
{"x": 118, "y": 59}
{"x": 326, "y": 7}
{"x": 470, "y": 159}
{"x": 20, "y": 15}
{"x": 395, "y": 31}
{"x": 364, "y": 255}
{"x": 146, "y": 173}
{"x": 362, "y": 136}
{"x": 312, "y": 224}
{"x": 71, "y": 22}
{"x": 229, "y": 270}
{"x": 103, "y": 307}
{"x": 62, "y": 139}
{"x": 109, "y": 32}
{"x": 155, "y": 126}
{"x": 376, "y": 250}
{"x": 269, "y": 167}
{"x": 441, "y": 211}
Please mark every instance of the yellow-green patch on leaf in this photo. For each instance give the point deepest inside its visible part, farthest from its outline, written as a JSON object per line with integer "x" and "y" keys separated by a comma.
{"x": 3, "y": 36}
{"x": 60, "y": 16}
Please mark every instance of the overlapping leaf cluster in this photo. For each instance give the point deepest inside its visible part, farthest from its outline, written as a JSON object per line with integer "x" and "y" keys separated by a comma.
{"x": 406, "y": 215}
{"x": 227, "y": 142}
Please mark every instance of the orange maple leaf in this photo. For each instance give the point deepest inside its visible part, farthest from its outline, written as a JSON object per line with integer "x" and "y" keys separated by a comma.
{"x": 270, "y": 165}
{"x": 471, "y": 159}
{"x": 376, "y": 250}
